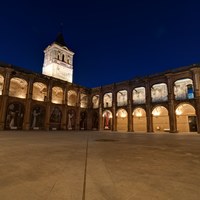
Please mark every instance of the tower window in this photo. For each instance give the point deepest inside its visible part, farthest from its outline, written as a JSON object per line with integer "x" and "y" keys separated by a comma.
{"x": 63, "y": 58}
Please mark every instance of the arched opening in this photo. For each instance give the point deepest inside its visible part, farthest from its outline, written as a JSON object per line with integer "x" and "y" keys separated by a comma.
{"x": 122, "y": 120}
{"x": 83, "y": 120}
{"x": 122, "y": 98}
{"x": 139, "y": 95}
{"x": 183, "y": 89}
{"x": 160, "y": 119}
{"x": 39, "y": 91}
{"x": 107, "y": 100}
{"x": 95, "y": 120}
{"x": 107, "y": 120}
{"x": 18, "y": 88}
{"x": 37, "y": 118}
{"x": 139, "y": 120}
{"x": 83, "y": 101}
{"x": 186, "y": 118}
{"x": 159, "y": 92}
{"x": 57, "y": 95}
{"x": 1, "y": 84}
{"x": 14, "y": 116}
{"x": 71, "y": 98}
{"x": 55, "y": 119}
{"x": 71, "y": 119}
{"x": 95, "y": 101}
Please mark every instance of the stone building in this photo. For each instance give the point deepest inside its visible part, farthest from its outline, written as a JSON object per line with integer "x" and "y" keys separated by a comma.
{"x": 165, "y": 102}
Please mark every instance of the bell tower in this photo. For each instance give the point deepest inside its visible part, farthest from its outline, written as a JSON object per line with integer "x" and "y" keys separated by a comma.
{"x": 58, "y": 60}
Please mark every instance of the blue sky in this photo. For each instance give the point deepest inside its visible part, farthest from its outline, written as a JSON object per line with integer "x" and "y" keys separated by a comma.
{"x": 113, "y": 41}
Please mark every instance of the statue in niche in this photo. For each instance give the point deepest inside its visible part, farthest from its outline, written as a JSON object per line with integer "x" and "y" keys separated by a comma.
{"x": 95, "y": 121}
{"x": 15, "y": 115}
{"x": 71, "y": 118}
{"x": 56, "y": 115}
{"x": 35, "y": 114}
{"x": 83, "y": 121}
{"x": 37, "y": 117}
{"x": 107, "y": 120}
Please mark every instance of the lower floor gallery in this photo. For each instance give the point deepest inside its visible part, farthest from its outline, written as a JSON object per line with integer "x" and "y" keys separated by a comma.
{"x": 34, "y": 116}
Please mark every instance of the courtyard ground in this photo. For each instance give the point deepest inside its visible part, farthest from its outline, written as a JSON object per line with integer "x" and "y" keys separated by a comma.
{"x": 60, "y": 165}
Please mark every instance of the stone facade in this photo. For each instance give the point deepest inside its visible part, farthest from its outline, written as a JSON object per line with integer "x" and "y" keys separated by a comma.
{"x": 169, "y": 101}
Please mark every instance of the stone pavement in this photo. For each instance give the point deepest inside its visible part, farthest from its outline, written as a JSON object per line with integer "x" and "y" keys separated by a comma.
{"x": 60, "y": 165}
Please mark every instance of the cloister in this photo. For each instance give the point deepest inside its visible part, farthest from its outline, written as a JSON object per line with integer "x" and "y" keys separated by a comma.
{"x": 167, "y": 102}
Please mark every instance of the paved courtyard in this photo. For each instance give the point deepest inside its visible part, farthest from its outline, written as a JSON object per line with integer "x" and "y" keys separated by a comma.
{"x": 99, "y": 166}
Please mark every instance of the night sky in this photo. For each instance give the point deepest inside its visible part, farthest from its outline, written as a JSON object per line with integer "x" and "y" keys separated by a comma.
{"x": 113, "y": 40}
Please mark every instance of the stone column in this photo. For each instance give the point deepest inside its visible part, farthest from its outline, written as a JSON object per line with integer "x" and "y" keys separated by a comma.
{"x": 78, "y": 111}
{"x": 64, "y": 111}
{"x": 48, "y": 105}
{"x": 148, "y": 107}
{"x": 100, "y": 111}
{"x": 114, "y": 103}
{"x": 4, "y": 101}
{"x": 130, "y": 110}
{"x": 27, "y": 114}
{"x": 196, "y": 82}
{"x": 171, "y": 100}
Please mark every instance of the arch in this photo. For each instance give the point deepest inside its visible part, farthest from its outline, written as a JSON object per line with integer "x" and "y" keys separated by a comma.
{"x": 71, "y": 119}
{"x": 122, "y": 98}
{"x": 39, "y": 91}
{"x": 183, "y": 89}
{"x": 18, "y": 88}
{"x": 139, "y": 120}
{"x": 95, "y": 120}
{"x": 83, "y": 120}
{"x": 1, "y": 84}
{"x": 55, "y": 118}
{"x": 57, "y": 95}
{"x": 63, "y": 57}
{"x": 37, "y": 117}
{"x": 71, "y": 98}
{"x": 83, "y": 100}
{"x": 107, "y": 120}
{"x": 95, "y": 101}
{"x": 159, "y": 92}
{"x": 107, "y": 100}
{"x": 122, "y": 120}
{"x": 186, "y": 118}
{"x": 139, "y": 95}
{"x": 14, "y": 116}
{"x": 160, "y": 119}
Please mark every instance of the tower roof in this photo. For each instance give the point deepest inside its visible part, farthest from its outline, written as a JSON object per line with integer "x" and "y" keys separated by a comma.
{"x": 60, "y": 40}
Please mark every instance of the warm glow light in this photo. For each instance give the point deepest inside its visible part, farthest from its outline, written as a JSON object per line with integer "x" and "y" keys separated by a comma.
{"x": 179, "y": 111}
{"x": 121, "y": 114}
{"x": 138, "y": 113}
{"x": 156, "y": 112}
{"x": 107, "y": 114}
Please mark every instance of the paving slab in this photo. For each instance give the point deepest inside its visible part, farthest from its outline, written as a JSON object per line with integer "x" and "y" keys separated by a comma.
{"x": 39, "y": 165}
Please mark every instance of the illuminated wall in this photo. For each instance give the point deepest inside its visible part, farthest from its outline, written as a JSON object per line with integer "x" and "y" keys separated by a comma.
{"x": 139, "y": 96}
{"x": 95, "y": 101}
{"x": 122, "y": 98}
{"x": 139, "y": 120}
{"x": 183, "y": 89}
{"x": 107, "y": 100}
{"x": 58, "y": 62}
{"x": 18, "y": 88}
{"x": 159, "y": 92}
